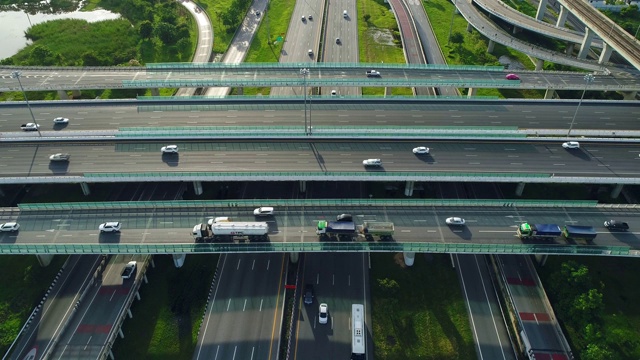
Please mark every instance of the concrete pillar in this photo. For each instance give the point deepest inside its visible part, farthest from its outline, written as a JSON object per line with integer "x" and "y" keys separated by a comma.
{"x": 627, "y": 95}
{"x": 129, "y": 313}
{"x": 76, "y": 94}
{"x": 2, "y": 191}
{"x": 549, "y": 94}
{"x": 121, "y": 333}
{"x": 85, "y": 189}
{"x": 111, "y": 355}
{"x": 492, "y": 45}
{"x": 387, "y": 91}
{"x": 178, "y": 259}
{"x": 44, "y": 259}
{"x": 241, "y": 91}
{"x": 155, "y": 92}
{"x": 541, "y": 259}
{"x": 586, "y": 43}
{"x": 605, "y": 55}
{"x": 519, "y": 189}
{"x": 542, "y": 8}
{"x": 570, "y": 47}
{"x": 562, "y": 17}
{"x": 472, "y": 92}
{"x": 138, "y": 295}
{"x": 197, "y": 187}
{"x": 293, "y": 257}
{"x": 303, "y": 186}
{"x": 408, "y": 188}
{"x": 469, "y": 28}
{"x": 616, "y": 191}
{"x": 539, "y": 64}
{"x": 409, "y": 257}
{"x": 515, "y": 30}
{"x": 62, "y": 94}
{"x": 145, "y": 279}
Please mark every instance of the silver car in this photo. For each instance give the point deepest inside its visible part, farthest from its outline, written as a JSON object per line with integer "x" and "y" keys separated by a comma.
{"x": 60, "y": 157}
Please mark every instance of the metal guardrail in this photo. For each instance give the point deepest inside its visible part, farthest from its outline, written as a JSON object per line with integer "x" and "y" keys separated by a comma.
{"x": 316, "y": 65}
{"x": 458, "y": 248}
{"x": 191, "y": 204}
{"x": 409, "y": 175}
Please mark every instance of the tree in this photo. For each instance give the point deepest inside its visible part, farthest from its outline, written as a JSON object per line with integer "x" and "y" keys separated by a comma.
{"x": 167, "y": 33}
{"x": 90, "y": 58}
{"x": 457, "y": 38}
{"x": 41, "y": 55}
{"x": 596, "y": 352}
{"x": 145, "y": 29}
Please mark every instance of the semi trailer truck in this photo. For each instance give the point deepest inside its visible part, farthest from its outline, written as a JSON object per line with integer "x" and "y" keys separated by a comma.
{"x": 231, "y": 230}
{"x": 539, "y": 231}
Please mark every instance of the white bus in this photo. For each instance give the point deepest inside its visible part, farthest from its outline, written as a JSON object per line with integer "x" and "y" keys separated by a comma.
{"x": 357, "y": 332}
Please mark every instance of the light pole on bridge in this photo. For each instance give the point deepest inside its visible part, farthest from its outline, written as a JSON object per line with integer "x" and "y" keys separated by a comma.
{"x": 588, "y": 79}
{"x": 16, "y": 75}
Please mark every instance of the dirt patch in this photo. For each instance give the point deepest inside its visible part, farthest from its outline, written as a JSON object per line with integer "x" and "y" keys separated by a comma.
{"x": 510, "y": 63}
{"x": 382, "y": 36}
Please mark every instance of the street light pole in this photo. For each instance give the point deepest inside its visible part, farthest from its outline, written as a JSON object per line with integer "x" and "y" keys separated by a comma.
{"x": 455, "y": 7}
{"x": 588, "y": 79}
{"x": 16, "y": 75}
{"x": 305, "y": 73}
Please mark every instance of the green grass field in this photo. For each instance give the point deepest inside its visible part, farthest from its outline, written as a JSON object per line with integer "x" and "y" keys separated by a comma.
{"x": 167, "y": 319}
{"x": 424, "y": 316}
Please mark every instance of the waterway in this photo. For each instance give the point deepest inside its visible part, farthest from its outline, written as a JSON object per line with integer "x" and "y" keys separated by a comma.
{"x": 15, "y": 23}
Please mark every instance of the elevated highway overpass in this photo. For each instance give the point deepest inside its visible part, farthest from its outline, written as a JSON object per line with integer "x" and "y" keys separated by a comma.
{"x": 316, "y": 160}
{"x": 164, "y": 227}
{"x": 287, "y": 75}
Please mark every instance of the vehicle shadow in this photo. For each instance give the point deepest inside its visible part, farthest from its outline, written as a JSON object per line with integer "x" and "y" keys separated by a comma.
{"x": 425, "y": 158}
{"x": 59, "y": 167}
{"x": 580, "y": 154}
{"x": 172, "y": 160}
{"x": 58, "y": 127}
{"x": 109, "y": 238}
{"x": 374, "y": 169}
{"x": 9, "y": 237}
{"x": 461, "y": 231}
{"x": 625, "y": 237}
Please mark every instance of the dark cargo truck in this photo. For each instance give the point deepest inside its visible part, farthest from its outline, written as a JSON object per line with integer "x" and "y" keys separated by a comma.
{"x": 579, "y": 232}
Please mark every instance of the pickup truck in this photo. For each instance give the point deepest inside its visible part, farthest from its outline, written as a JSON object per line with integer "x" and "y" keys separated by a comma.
{"x": 373, "y": 73}
{"x": 29, "y": 127}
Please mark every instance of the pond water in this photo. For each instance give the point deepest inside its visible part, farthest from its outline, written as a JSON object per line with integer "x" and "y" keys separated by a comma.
{"x": 15, "y": 23}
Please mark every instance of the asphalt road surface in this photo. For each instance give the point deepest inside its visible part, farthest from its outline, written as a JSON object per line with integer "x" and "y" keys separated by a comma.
{"x": 484, "y": 225}
{"x": 527, "y": 115}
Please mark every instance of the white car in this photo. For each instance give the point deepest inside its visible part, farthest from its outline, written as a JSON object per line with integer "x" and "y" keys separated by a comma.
{"x": 169, "y": 149}
{"x": 334, "y": 93}
{"x": 455, "y": 221}
{"x": 571, "y": 145}
{"x": 373, "y": 73}
{"x": 263, "y": 211}
{"x": 372, "y": 162}
{"x": 112, "y": 226}
{"x": 61, "y": 120}
{"x": 10, "y": 226}
{"x": 30, "y": 126}
{"x": 421, "y": 150}
{"x": 310, "y": 52}
{"x": 323, "y": 313}
{"x": 60, "y": 157}
{"x": 129, "y": 269}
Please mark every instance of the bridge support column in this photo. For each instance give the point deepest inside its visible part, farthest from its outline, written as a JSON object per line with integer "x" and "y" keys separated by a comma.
{"x": 387, "y": 91}
{"x": 549, "y": 94}
{"x": 44, "y": 259}
{"x": 586, "y": 43}
{"x": 616, "y": 191}
{"x": 627, "y": 95}
{"x": 469, "y": 27}
{"x": 197, "y": 187}
{"x": 409, "y": 257}
{"x": 76, "y": 94}
{"x": 240, "y": 91}
{"x": 85, "y": 189}
{"x": 62, "y": 94}
{"x": 129, "y": 314}
{"x": 542, "y": 8}
{"x": 570, "y": 47}
{"x": 138, "y": 295}
{"x": 539, "y": 64}
{"x": 472, "y": 92}
{"x": 111, "y": 355}
{"x": 519, "y": 189}
{"x": 121, "y": 333}
{"x": 155, "y": 92}
{"x": 515, "y": 30}
{"x": 408, "y": 188}
{"x": 303, "y": 186}
{"x": 294, "y": 257}
{"x": 541, "y": 259}
{"x": 2, "y": 191}
{"x": 491, "y": 46}
{"x": 178, "y": 259}
{"x": 562, "y": 17}
{"x": 605, "y": 55}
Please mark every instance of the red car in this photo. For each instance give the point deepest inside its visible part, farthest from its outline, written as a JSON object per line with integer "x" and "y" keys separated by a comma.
{"x": 512, "y": 77}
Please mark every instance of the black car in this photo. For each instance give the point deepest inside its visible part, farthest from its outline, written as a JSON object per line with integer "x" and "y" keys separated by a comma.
{"x": 308, "y": 294}
{"x": 616, "y": 225}
{"x": 344, "y": 217}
